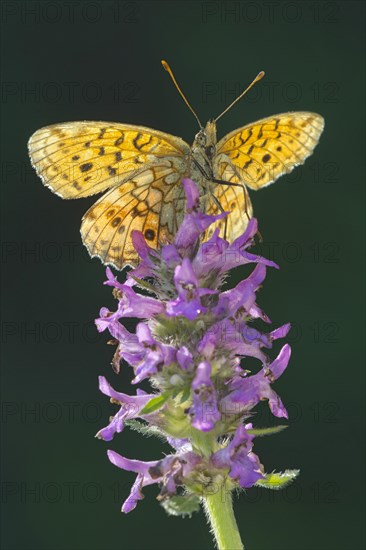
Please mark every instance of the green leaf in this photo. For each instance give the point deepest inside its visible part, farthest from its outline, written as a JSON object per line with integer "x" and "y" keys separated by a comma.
{"x": 142, "y": 428}
{"x": 136, "y": 425}
{"x": 145, "y": 429}
{"x": 278, "y": 480}
{"x": 259, "y": 432}
{"x": 155, "y": 403}
{"x": 144, "y": 284}
{"x": 181, "y": 505}
{"x": 185, "y": 394}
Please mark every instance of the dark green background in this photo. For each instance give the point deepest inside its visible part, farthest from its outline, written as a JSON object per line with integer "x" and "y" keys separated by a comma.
{"x": 312, "y": 223}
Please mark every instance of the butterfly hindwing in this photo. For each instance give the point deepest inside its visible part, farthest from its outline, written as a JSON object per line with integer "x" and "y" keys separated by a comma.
{"x": 264, "y": 150}
{"x": 151, "y": 202}
{"x": 232, "y": 198}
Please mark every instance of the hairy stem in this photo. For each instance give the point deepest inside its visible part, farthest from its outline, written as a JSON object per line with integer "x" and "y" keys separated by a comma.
{"x": 218, "y": 502}
{"x": 219, "y": 510}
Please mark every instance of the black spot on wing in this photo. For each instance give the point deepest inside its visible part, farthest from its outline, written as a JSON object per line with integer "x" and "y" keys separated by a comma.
{"x": 102, "y": 132}
{"x": 120, "y": 140}
{"x": 116, "y": 221}
{"x": 86, "y": 166}
{"x": 149, "y": 234}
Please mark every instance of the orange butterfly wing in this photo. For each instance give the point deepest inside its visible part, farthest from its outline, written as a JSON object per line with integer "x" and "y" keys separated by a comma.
{"x": 263, "y": 151}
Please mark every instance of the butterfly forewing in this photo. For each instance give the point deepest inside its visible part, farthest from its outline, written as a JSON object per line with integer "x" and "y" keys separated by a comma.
{"x": 263, "y": 151}
{"x": 78, "y": 159}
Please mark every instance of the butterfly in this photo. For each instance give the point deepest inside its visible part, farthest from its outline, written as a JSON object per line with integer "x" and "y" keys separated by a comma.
{"x": 141, "y": 170}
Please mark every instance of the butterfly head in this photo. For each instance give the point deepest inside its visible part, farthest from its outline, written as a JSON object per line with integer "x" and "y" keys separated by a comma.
{"x": 205, "y": 139}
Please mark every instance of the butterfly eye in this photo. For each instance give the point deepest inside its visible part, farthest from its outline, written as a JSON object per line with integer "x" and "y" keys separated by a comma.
{"x": 201, "y": 138}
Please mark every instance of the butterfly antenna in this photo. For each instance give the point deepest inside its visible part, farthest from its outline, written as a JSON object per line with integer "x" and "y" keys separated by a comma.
{"x": 257, "y": 78}
{"x": 168, "y": 69}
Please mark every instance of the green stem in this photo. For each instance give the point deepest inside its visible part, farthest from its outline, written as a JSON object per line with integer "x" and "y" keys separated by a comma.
{"x": 219, "y": 510}
{"x": 218, "y": 505}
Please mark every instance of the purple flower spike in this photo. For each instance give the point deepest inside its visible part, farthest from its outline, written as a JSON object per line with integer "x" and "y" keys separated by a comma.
{"x": 193, "y": 342}
{"x": 204, "y": 411}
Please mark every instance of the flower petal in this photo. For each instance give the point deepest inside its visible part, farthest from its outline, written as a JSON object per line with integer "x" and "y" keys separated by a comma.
{"x": 204, "y": 410}
{"x": 244, "y": 465}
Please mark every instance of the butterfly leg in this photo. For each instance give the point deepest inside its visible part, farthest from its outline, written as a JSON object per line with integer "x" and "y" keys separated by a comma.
{"x": 201, "y": 170}
{"x": 218, "y": 204}
{"x": 211, "y": 179}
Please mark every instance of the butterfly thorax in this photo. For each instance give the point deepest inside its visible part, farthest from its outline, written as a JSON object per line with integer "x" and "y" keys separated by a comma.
{"x": 203, "y": 151}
